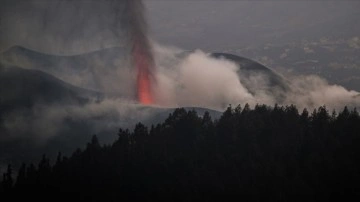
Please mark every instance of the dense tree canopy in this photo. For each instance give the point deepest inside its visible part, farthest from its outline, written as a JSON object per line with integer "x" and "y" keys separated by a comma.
{"x": 265, "y": 153}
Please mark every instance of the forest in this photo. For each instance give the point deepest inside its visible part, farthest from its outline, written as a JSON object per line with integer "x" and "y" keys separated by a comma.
{"x": 263, "y": 153}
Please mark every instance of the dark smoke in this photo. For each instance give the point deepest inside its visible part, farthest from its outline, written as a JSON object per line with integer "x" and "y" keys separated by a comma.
{"x": 134, "y": 21}
{"x": 62, "y": 27}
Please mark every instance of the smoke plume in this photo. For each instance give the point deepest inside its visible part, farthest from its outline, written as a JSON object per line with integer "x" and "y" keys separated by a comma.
{"x": 141, "y": 51}
{"x": 197, "y": 79}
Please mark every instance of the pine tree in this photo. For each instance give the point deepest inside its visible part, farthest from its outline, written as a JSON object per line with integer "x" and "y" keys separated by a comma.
{"x": 7, "y": 179}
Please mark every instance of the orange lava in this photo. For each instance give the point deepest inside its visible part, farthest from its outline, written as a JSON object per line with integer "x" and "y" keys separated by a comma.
{"x": 143, "y": 64}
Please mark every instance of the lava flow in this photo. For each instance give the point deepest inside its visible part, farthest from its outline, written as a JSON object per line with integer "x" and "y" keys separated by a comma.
{"x": 143, "y": 63}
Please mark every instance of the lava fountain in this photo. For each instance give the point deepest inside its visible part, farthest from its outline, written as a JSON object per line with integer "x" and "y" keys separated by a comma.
{"x": 143, "y": 64}
{"x": 141, "y": 53}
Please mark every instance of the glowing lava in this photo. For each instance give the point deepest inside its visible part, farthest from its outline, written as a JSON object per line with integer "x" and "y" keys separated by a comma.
{"x": 143, "y": 63}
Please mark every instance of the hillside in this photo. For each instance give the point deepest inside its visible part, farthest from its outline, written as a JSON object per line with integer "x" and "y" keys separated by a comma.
{"x": 23, "y": 88}
{"x": 265, "y": 153}
{"x": 87, "y": 70}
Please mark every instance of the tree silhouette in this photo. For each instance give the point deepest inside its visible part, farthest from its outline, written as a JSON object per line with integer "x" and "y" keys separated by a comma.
{"x": 265, "y": 153}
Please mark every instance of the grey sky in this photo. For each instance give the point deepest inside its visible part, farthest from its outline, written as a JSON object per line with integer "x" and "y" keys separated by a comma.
{"x": 69, "y": 28}
{"x": 212, "y": 24}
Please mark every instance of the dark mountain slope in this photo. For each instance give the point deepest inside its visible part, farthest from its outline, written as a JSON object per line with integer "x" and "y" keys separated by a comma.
{"x": 23, "y": 88}
{"x": 86, "y": 70}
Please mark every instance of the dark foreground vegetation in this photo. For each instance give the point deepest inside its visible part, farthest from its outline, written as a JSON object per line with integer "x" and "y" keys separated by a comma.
{"x": 272, "y": 154}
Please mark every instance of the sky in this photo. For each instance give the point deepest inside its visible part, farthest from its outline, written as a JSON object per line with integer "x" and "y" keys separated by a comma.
{"x": 217, "y": 24}
{"x": 72, "y": 28}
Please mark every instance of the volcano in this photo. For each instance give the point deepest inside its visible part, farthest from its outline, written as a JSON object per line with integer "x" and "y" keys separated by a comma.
{"x": 29, "y": 77}
{"x": 93, "y": 70}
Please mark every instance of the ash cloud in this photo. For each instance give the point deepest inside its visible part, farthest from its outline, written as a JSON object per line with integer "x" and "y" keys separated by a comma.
{"x": 63, "y": 27}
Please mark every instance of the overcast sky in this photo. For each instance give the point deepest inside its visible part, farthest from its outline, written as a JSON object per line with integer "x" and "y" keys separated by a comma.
{"x": 70, "y": 27}
{"x": 211, "y": 24}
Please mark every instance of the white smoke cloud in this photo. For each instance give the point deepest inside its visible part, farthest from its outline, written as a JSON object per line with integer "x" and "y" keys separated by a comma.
{"x": 197, "y": 79}
{"x": 200, "y": 81}
{"x": 312, "y": 91}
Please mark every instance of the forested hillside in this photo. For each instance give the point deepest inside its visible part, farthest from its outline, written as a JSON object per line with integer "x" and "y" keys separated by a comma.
{"x": 266, "y": 153}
